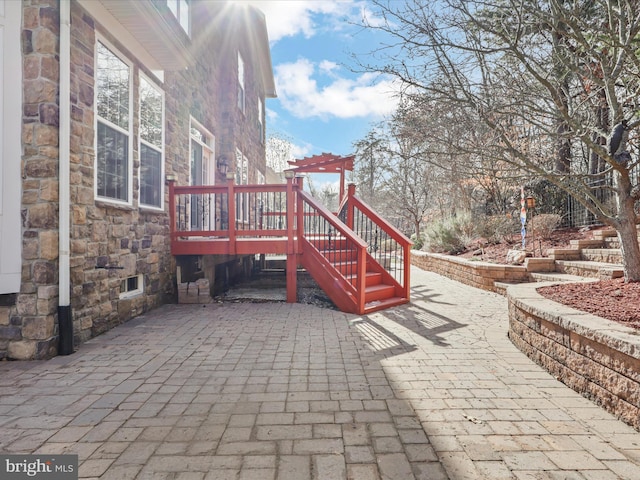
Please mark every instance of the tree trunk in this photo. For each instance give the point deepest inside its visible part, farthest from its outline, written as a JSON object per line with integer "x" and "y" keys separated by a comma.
{"x": 627, "y": 231}
{"x": 628, "y": 236}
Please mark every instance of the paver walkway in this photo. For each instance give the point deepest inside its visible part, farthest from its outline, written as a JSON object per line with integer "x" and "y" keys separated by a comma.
{"x": 432, "y": 390}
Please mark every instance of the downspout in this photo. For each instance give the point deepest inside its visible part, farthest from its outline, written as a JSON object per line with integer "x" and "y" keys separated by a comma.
{"x": 65, "y": 320}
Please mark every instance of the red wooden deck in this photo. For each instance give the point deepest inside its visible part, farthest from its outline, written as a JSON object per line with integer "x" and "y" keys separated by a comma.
{"x": 359, "y": 259}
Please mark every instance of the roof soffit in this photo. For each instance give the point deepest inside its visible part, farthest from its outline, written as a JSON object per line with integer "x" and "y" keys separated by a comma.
{"x": 142, "y": 28}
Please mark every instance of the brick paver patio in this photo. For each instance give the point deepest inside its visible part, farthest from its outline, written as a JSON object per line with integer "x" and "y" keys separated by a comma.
{"x": 431, "y": 390}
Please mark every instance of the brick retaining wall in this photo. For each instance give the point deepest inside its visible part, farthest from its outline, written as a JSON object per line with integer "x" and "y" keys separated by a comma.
{"x": 596, "y": 357}
{"x": 470, "y": 272}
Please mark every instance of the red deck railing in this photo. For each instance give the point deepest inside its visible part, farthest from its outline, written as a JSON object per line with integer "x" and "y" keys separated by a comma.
{"x": 339, "y": 252}
{"x": 386, "y": 244}
{"x": 231, "y": 219}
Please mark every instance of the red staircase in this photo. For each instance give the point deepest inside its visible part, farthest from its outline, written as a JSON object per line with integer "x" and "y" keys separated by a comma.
{"x": 342, "y": 264}
{"x": 357, "y": 258}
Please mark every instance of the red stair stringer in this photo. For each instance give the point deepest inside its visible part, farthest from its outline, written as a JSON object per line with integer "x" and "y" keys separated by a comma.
{"x": 341, "y": 290}
{"x": 329, "y": 278}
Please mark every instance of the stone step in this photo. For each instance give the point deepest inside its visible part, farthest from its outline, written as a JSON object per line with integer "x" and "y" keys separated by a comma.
{"x": 501, "y": 287}
{"x": 604, "y": 233}
{"x": 589, "y": 269}
{"x": 564, "y": 253}
{"x": 587, "y": 243}
{"x": 602, "y": 255}
{"x": 558, "y": 277}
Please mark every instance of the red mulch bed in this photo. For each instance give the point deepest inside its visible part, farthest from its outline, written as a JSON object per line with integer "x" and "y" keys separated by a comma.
{"x": 611, "y": 299}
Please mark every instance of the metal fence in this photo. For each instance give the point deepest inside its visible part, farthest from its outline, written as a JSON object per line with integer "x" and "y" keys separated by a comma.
{"x": 577, "y": 215}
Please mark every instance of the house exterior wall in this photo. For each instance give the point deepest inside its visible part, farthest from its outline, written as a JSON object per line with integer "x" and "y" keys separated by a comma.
{"x": 111, "y": 242}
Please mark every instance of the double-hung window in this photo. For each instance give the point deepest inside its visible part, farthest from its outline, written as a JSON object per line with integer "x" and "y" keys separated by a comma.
{"x": 151, "y": 144}
{"x": 241, "y": 89}
{"x": 180, "y": 10}
{"x": 113, "y": 126}
{"x": 242, "y": 178}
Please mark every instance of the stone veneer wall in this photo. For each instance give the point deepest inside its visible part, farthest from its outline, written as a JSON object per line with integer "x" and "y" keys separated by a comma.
{"x": 132, "y": 238}
{"x": 596, "y": 357}
{"x": 475, "y": 274}
{"x": 102, "y": 234}
{"x": 33, "y": 320}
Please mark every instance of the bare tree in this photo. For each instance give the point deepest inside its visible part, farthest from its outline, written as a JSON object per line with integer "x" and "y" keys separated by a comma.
{"x": 371, "y": 164}
{"x": 279, "y": 151}
{"x": 539, "y": 76}
{"x": 409, "y": 186}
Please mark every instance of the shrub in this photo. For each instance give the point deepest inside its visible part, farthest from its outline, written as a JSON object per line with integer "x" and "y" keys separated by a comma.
{"x": 418, "y": 242}
{"x": 450, "y": 235}
{"x": 545, "y": 224}
{"x": 496, "y": 228}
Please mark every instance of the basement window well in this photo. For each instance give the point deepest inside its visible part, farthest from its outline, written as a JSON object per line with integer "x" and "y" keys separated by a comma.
{"x": 132, "y": 286}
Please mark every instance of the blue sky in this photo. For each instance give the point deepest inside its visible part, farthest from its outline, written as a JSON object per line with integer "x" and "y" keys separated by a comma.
{"x": 322, "y": 106}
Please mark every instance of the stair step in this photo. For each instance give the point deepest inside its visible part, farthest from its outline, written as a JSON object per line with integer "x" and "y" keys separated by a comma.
{"x": 348, "y": 269}
{"x": 378, "y": 292}
{"x": 586, "y": 243}
{"x": 372, "y": 278}
{"x": 605, "y": 233}
{"x": 589, "y": 269}
{"x": 602, "y": 255}
{"x": 559, "y": 277}
{"x": 335, "y": 256}
{"x": 376, "y": 305}
{"x": 564, "y": 254}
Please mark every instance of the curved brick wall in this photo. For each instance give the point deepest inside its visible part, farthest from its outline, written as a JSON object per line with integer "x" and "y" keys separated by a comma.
{"x": 470, "y": 272}
{"x": 596, "y": 357}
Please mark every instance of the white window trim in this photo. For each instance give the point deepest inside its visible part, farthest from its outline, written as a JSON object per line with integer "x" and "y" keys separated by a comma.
{"x": 241, "y": 83}
{"x": 130, "y": 133}
{"x": 162, "y": 149}
{"x": 133, "y": 293}
{"x": 178, "y": 15}
{"x": 210, "y": 146}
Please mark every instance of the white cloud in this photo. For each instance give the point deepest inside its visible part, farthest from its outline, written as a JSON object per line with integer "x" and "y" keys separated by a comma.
{"x": 327, "y": 66}
{"x": 300, "y": 93}
{"x": 289, "y": 18}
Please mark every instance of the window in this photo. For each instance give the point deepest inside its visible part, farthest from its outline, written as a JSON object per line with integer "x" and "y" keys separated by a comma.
{"x": 242, "y": 168}
{"x": 260, "y": 123}
{"x": 241, "y": 91}
{"x": 131, "y": 286}
{"x": 202, "y": 173}
{"x": 113, "y": 104}
{"x": 242, "y": 178}
{"x": 151, "y": 144}
{"x": 180, "y": 10}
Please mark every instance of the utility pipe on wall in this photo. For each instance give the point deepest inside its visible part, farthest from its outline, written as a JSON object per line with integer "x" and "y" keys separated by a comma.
{"x": 65, "y": 319}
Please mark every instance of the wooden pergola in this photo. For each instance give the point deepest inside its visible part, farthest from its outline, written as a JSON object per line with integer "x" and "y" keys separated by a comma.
{"x": 325, "y": 163}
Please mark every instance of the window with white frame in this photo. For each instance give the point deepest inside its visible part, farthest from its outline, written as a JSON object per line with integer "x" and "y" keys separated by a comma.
{"x": 242, "y": 178}
{"x": 203, "y": 207}
{"x": 131, "y": 286}
{"x": 241, "y": 89}
{"x": 181, "y": 10}
{"x": 151, "y": 144}
{"x": 113, "y": 126}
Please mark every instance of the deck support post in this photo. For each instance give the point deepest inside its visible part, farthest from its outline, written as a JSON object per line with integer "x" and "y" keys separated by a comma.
{"x": 292, "y": 278}
{"x": 231, "y": 206}
{"x": 292, "y": 258}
